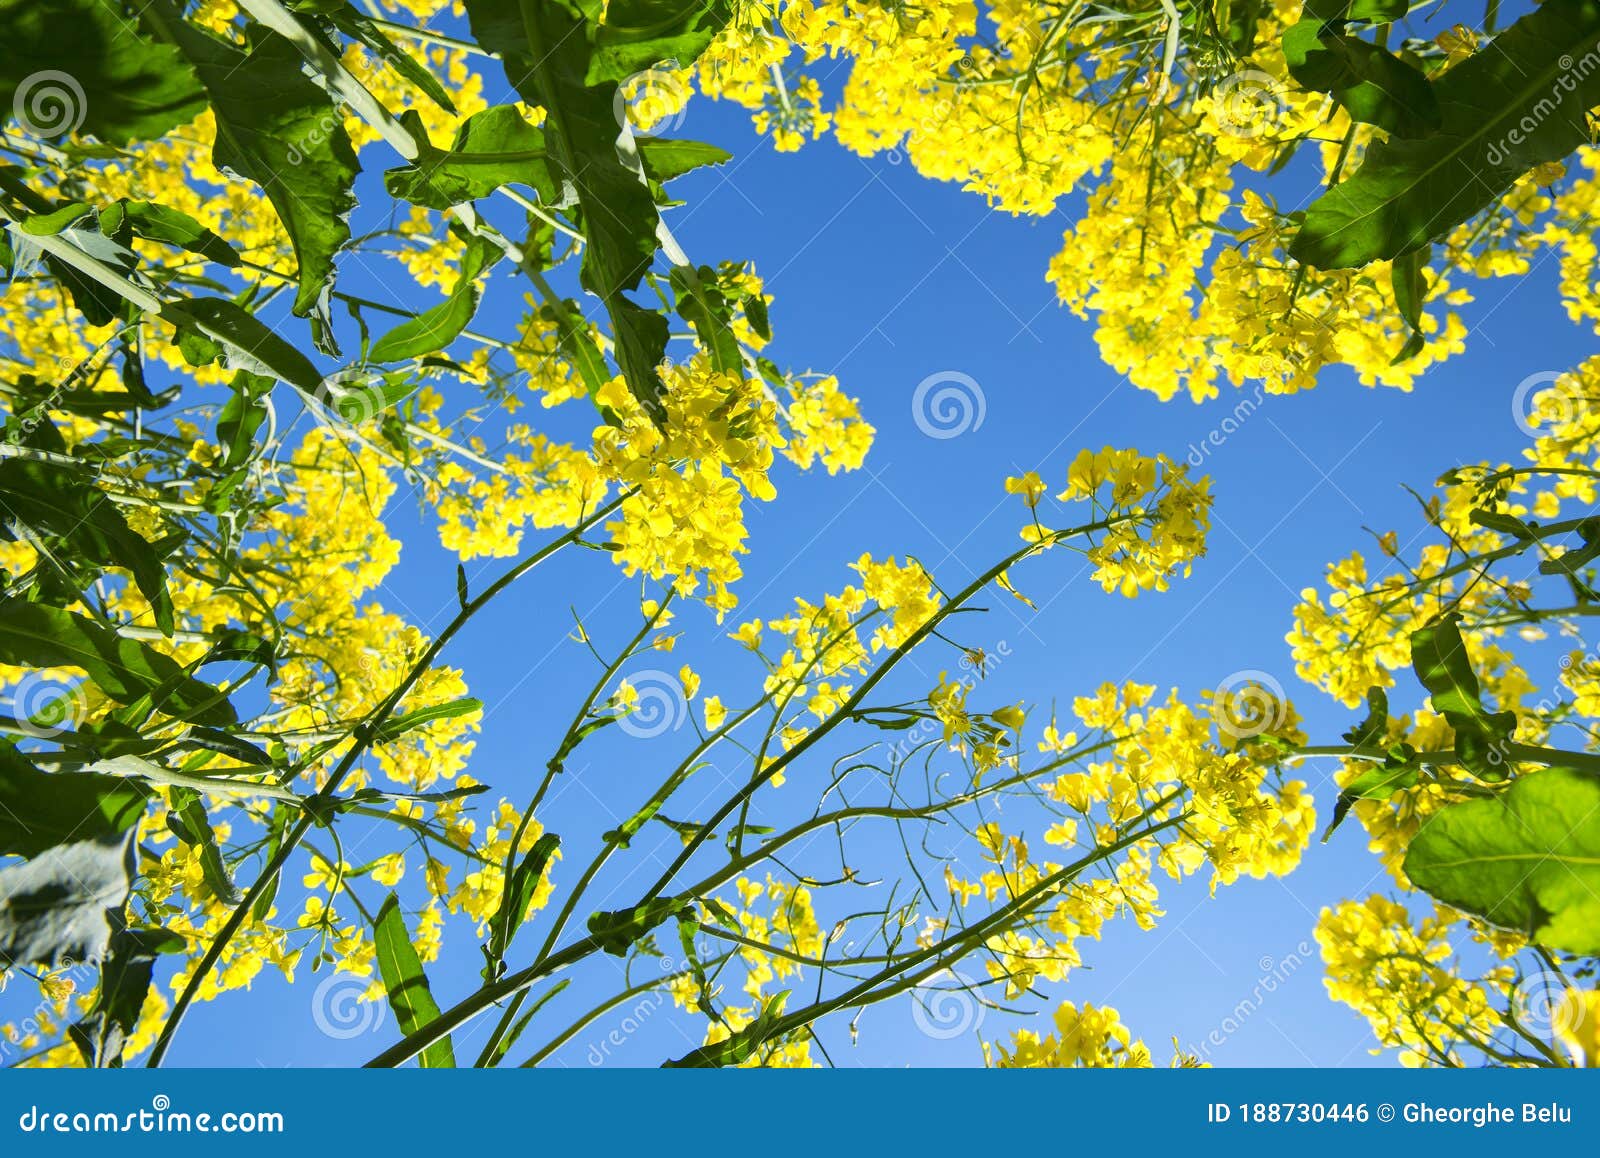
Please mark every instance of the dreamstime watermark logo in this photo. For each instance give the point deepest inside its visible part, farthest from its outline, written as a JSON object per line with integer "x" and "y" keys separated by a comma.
{"x": 947, "y": 1006}
{"x": 653, "y": 101}
{"x": 1249, "y": 103}
{"x": 339, "y": 1009}
{"x": 1249, "y": 703}
{"x": 1540, "y": 1002}
{"x": 660, "y": 705}
{"x": 44, "y": 709}
{"x": 1573, "y": 74}
{"x": 1226, "y": 429}
{"x": 1539, "y": 401}
{"x": 50, "y": 104}
{"x": 948, "y": 404}
{"x": 1274, "y": 973}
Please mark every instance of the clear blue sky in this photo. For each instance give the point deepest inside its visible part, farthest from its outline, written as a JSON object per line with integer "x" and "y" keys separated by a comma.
{"x": 883, "y": 278}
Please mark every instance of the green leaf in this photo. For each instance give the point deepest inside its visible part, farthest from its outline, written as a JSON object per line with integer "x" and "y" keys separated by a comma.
{"x": 156, "y": 222}
{"x": 241, "y": 417}
{"x": 616, "y": 931}
{"x": 518, "y": 895}
{"x": 637, "y": 34}
{"x": 1373, "y": 85}
{"x": 1409, "y": 283}
{"x": 1516, "y": 104}
{"x": 1398, "y": 772}
{"x": 255, "y": 346}
{"x": 1439, "y": 657}
{"x": 1527, "y": 860}
{"x": 125, "y": 979}
{"x": 547, "y": 53}
{"x": 278, "y": 129}
{"x": 435, "y": 328}
{"x": 39, "y": 810}
{"x": 361, "y": 28}
{"x": 739, "y": 1046}
{"x": 91, "y": 65}
{"x": 59, "y": 906}
{"x": 52, "y": 223}
{"x": 1357, "y": 11}
{"x": 1371, "y": 730}
{"x": 398, "y": 726}
{"x": 34, "y": 635}
{"x": 493, "y": 148}
{"x": 59, "y": 502}
{"x": 701, "y": 303}
{"x": 665, "y": 159}
{"x": 190, "y": 824}
{"x": 406, "y": 983}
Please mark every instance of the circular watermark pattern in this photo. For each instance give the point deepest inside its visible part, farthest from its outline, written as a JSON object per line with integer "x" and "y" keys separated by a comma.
{"x": 1249, "y": 103}
{"x": 660, "y": 706}
{"x": 50, "y": 104}
{"x": 351, "y": 398}
{"x": 948, "y": 404}
{"x": 946, "y": 1006}
{"x": 1249, "y": 703}
{"x": 45, "y": 708}
{"x": 1538, "y": 397}
{"x": 339, "y": 1011}
{"x": 653, "y": 101}
{"x": 1539, "y": 1001}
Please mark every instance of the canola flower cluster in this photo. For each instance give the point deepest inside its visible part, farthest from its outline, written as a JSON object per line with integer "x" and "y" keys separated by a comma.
{"x": 1179, "y": 255}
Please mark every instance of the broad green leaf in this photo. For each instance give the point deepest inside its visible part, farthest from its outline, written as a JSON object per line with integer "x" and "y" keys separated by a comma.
{"x": 1517, "y": 103}
{"x": 34, "y": 635}
{"x": 493, "y": 148}
{"x": 278, "y": 129}
{"x": 91, "y": 66}
{"x": 59, "y": 906}
{"x": 637, "y": 34}
{"x": 546, "y": 50}
{"x": 1439, "y": 657}
{"x": 406, "y": 983}
{"x": 436, "y": 327}
{"x": 60, "y": 502}
{"x": 1527, "y": 860}
{"x": 254, "y": 346}
{"x": 39, "y": 810}
{"x": 1373, "y": 85}
{"x": 125, "y": 978}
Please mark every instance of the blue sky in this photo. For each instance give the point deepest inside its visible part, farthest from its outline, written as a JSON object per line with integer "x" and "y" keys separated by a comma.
{"x": 884, "y": 278}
